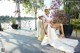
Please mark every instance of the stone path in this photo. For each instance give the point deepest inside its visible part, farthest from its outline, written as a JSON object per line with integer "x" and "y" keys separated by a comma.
{"x": 21, "y": 41}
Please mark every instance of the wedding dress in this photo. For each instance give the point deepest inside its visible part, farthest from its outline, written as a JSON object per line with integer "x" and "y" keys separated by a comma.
{"x": 63, "y": 44}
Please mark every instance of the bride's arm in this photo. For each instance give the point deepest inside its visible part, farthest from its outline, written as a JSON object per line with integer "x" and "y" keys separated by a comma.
{"x": 58, "y": 25}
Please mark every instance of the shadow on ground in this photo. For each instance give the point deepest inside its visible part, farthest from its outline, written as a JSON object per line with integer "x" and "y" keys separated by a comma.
{"x": 24, "y": 43}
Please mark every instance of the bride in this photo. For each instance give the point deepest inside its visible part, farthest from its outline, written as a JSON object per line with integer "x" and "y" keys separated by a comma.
{"x": 58, "y": 42}
{"x": 63, "y": 44}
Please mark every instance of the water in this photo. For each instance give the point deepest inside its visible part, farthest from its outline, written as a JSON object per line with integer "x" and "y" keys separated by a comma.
{"x": 25, "y": 24}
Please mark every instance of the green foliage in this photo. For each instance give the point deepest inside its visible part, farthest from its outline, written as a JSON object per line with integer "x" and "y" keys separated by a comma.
{"x": 76, "y": 23}
{"x": 4, "y": 19}
{"x": 27, "y": 5}
{"x": 31, "y": 5}
{"x": 71, "y": 9}
{"x": 14, "y": 20}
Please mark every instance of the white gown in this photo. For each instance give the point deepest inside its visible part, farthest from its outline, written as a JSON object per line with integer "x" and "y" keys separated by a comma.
{"x": 63, "y": 44}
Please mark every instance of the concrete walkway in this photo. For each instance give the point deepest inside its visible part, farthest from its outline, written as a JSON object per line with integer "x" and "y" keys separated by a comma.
{"x": 22, "y": 41}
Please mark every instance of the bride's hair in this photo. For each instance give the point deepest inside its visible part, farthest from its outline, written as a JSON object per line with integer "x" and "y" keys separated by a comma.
{"x": 46, "y": 10}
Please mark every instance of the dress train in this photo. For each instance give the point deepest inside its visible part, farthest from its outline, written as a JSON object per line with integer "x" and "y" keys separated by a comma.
{"x": 63, "y": 44}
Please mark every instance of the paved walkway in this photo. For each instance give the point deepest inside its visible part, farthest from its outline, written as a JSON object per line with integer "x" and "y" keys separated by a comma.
{"x": 22, "y": 41}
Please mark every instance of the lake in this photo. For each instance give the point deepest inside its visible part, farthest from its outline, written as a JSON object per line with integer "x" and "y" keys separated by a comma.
{"x": 25, "y": 24}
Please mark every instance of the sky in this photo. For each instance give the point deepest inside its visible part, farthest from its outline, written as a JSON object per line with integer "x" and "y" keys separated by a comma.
{"x": 7, "y": 8}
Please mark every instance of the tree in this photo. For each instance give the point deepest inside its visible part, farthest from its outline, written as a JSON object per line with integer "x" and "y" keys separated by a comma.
{"x": 71, "y": 8}
{"x": 31, "y": 6}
